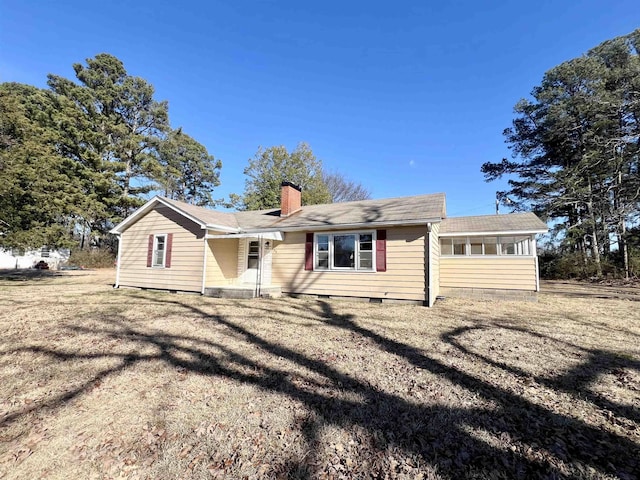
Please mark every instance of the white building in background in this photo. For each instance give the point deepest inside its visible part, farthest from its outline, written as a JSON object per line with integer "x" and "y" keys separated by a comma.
{"x": 18, "y": 258}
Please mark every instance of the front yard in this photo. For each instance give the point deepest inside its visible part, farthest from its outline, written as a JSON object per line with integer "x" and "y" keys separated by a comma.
{"x": 103, "y": 383}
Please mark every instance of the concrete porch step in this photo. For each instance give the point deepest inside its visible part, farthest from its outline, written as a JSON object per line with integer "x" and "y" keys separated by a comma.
{"x": 242, "y": 291}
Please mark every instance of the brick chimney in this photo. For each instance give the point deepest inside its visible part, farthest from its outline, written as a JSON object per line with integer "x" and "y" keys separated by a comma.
{"x": 290, "y": 199}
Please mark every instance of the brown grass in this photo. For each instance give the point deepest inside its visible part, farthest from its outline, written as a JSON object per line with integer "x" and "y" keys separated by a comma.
{"x": 103, "y": 383}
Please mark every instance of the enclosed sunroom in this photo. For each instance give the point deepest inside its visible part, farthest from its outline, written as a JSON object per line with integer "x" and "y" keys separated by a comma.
{"x": 490, "y": 255}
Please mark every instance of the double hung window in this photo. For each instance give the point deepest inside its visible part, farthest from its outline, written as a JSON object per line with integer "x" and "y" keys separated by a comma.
{"x": 344, "y": 251}
{"x": 159, "y": 250}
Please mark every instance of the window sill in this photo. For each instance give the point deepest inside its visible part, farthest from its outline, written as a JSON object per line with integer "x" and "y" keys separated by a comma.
{"x": 342, "y": 270}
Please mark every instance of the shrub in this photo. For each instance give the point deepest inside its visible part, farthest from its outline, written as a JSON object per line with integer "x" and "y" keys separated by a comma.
{"x": 567, "y": 265}
{"x": 556, "y": 265}
{"x": 95, "y": 258}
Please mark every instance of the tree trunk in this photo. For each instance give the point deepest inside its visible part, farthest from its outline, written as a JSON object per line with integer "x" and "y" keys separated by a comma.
{"x": 606, "y": 243}
{"x": 595, "y": 248}
{"x": 621, "y": 225}
{"x": 622, "y": 246}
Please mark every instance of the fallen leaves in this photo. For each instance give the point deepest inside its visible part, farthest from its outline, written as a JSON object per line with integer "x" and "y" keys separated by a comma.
{"x": 232, "y": 389}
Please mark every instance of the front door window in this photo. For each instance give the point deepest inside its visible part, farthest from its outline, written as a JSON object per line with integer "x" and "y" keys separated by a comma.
{"x": 253, "y": 255}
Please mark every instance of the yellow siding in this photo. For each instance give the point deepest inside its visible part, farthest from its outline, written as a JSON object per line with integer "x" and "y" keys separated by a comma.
{"x": 434, "y": 252}
{"x": 222, "y": 261}
{"x": 507, "y": 273}
{"x": 185, "y": 272}
{"x": 404, "y": 278}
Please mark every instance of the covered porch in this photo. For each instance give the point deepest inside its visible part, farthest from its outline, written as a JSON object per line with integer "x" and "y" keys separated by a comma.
{"x": 238, "y": 265}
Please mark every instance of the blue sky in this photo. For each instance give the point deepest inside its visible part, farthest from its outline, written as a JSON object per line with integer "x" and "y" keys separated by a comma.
{"x": 406, "y": 97}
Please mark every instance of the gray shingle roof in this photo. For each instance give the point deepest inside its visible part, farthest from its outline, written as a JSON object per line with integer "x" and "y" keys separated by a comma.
{"x": 205, "y": 215}
{"x": 415, "y": 209}
{"x": 389, "y": 211}
{"x": 511, "y": 222}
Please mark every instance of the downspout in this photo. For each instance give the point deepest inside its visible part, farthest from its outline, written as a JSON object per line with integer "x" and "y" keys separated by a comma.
{"x": 429, "y": 266}
{"x": 118, "y": 260}
{"x": 204, "y": 265}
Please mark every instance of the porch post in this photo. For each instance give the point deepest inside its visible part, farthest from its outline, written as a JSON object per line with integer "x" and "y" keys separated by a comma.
{"x": 204, "y": 264}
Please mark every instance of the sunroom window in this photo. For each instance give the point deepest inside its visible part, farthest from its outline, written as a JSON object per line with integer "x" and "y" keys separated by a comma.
{"x": 344, "y": 251}
{"x": 514, "y": 246}
{"x": 459, "y": 246}
{"x": 475, "y": 246}
{"x": 490, "y": 245}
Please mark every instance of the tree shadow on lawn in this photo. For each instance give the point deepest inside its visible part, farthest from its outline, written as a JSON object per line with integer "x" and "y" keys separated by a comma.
{"x": 28, "y": 274}
{"x": 532, "y": 441}
{"x": 575, "y": 381}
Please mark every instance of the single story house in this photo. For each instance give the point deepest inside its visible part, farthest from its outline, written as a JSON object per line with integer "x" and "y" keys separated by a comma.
{"x": 21, "y": 258}
{"x": 396, "y": 249}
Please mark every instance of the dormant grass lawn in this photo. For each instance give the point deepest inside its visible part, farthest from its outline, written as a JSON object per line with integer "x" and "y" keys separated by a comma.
{"x": 103, "y": 383}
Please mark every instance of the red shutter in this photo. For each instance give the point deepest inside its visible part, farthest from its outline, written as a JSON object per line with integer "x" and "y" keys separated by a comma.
{"x": 308, "y": 252}
{"x": 150, "y": 251}
{"x": 381, "y": 251}
{"x": 167, "y": 259}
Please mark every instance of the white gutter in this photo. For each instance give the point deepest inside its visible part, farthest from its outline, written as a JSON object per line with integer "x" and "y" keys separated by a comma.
{"x": 264, "y": 232}
{"x": 118, "y": 260}
{"x": 343, "y": 226}
{"x": 495, "y": 232}
{"x": 220, "y": 228}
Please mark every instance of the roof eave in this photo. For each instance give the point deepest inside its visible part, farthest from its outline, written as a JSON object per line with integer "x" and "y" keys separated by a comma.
{"x": 147, "y": 207}
{"x": 306, "y": 228}
{"x": 221, "y": 228}
{"x": 121, "y": 227}
{"x": 493, "y": 232}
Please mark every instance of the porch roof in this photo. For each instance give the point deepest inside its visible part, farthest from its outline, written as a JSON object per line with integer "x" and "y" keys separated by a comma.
{"x": 264, "y": 235}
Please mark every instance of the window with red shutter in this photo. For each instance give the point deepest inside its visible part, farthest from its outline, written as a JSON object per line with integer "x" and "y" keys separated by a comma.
{"x": 159, "y": 250}
{"x": 308, "y": 252}
{"x": 381, "y": 251}
{"x": 169, "y": 245}
{"x": 150, "y": 251}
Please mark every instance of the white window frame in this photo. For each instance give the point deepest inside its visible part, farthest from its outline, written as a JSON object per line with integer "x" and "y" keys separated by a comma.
{"x": 331, "y": 267}
{"x": 248, "y": 254}
{"x": 154, "y": 256}
{"x": 499, "y": 253}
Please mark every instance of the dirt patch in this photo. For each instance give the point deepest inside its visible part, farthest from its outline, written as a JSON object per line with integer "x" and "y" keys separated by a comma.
{"x": 104, "y": 383}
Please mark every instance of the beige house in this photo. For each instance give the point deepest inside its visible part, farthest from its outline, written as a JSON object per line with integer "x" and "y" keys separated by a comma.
{"x": 397, "y": 249}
